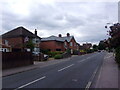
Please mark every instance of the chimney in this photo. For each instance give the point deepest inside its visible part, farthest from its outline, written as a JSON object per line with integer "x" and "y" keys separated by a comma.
{"x": 68, "y": 34}
{"x": 36, "y": 32}
{"x": 60, "y": 35}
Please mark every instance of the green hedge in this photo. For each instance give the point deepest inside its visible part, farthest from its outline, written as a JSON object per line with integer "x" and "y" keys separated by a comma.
{"x": 117, "y": 55}
{"x": 89, "y": 51}
{"x": 52, "y": 54}
{"x": 58, "y": 56}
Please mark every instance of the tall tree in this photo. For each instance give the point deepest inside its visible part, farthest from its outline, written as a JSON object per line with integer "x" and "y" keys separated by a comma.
{"x": 29, "y": 45}
{"x": 102, "y": 45}
{"x": 95, "y": 47}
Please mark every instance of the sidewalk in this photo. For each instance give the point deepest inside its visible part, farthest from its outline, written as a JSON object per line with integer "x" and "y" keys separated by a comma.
{"x": 37, "y": 64}
{"x": 108, "y": 75}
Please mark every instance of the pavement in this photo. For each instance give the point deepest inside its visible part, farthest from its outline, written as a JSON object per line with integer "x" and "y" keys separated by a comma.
{"x": 108, "y": 74}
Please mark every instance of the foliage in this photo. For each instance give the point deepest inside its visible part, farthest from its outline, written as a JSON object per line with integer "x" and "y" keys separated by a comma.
{"x": 114, "y": 41}
{"x": 76, "y": 52}
{"x": 95, "y": 47}
{"x": 115, "y": 35}
{"x": 89, "y": 50}
{"x": 45, "y": 51}
{"x": 82, "y": 51}
{"x": 117, "y": 55}
{"x": 58, "y": 56}
{"x": 68, "y": 51}
{"x": 29, "y": 44}
{"x": 102, "y": 45}
{"x": 52, "y": 54}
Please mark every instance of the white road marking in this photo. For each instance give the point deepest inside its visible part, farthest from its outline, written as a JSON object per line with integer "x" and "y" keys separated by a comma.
{"x": 65, "y": 68}
{"x": 84, "y": 59}
{"x": 30, "y": 83}
{"x": 88, "y": 57}
{"x": 81, "y": 61}
{"x": 88, "y": 85}
{"x": 91, "y": 79}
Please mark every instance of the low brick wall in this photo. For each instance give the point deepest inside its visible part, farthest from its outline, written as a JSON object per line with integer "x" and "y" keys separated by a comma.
{"x": 16, "y": 59}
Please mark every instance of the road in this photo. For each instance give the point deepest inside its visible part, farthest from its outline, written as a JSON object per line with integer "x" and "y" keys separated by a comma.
{"x": 78, "y": 72}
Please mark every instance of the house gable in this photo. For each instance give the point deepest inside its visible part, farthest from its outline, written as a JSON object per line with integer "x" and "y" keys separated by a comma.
{"x": 19, "y": 31}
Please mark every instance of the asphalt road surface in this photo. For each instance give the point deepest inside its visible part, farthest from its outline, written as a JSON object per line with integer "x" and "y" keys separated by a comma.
{"x": 78, "y": 72}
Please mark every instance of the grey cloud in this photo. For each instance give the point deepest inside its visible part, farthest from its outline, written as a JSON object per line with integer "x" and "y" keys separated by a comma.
{"x": 85, "y": 18}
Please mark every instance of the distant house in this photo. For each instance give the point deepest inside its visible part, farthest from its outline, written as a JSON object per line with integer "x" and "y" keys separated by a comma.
{"x": 54, "y": 43}
{"x": 87, "y": 45}
{"x": 19, "y": 37}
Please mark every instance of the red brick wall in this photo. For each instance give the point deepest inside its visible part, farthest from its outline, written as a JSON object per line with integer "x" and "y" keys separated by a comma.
{"x": 16, "y": 42}
{"x": 74, "y": 45}
{"x": 52, "y": 45}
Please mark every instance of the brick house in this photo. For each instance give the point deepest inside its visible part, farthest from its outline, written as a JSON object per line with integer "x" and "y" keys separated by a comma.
{"x": 54, "y": 43}
{"x": 4, "y": 47}
{"x": 18, "y": 37}
{"x": 87, "y": 45}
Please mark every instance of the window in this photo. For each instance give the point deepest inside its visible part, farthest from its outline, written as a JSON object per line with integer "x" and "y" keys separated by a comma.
{"x": 35, "y": 40}
{"x": 6, "y": 42}
{"x": 58, "y": 49}
{"x": 49, "y": 49}
{"x": 75, "y": 44}
{"x": 71, "y": 44}
{"x": 65, "y": 43}
{"x": 58, "y": 43}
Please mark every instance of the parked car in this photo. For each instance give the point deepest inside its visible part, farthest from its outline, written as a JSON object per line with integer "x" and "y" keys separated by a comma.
{"x": 46, "y": 57}
{"x": 99, "y": 51}
{"x": 36, "y": 53}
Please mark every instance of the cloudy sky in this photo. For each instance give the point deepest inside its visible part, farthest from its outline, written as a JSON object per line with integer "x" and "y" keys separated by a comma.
{"x": 84, "y": 20}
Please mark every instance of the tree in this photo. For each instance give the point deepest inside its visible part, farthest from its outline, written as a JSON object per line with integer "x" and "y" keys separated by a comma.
{"x": 95, "y": 47}
{"x": 102, "y": 45}
{"x": 115, "y": 40}
{"x": 114, "y": 33}
{"x": 29, "y": 45}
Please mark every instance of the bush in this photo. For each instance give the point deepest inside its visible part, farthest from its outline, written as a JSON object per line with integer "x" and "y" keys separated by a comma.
{"x": 52, "y": 54}
{"x": 117, "y": 55}
{"x": 58, "y": 56}
{"x": 68, "y": 51}
{"x": 89, "y": 50}
{"x": 75, "y": 52}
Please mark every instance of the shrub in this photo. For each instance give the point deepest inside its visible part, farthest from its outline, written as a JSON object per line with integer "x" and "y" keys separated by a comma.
{"x": 89, "y": 50}
{"x": 52, "y": 54}
{"x": 58, "y": 56}
{"x": 68, "y": 51}
{"x": 117, "y": 55}
{"x": 75, "y": 52}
